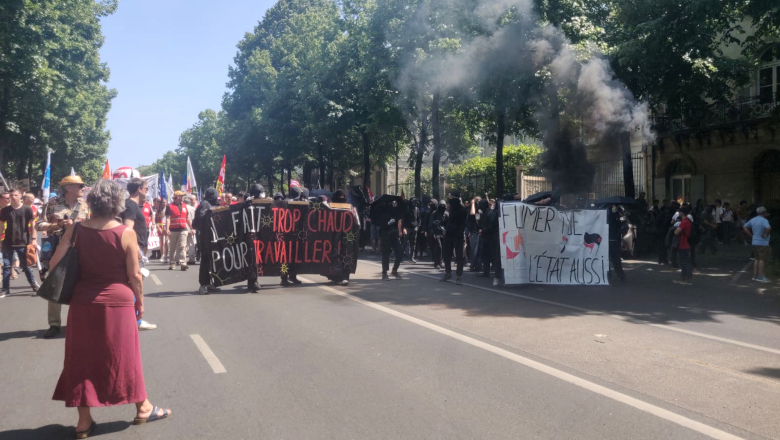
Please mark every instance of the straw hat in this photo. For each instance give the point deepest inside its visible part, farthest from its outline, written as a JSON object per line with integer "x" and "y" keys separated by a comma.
{"x": 178, "y": 193}
{"x": 72, "y": 180}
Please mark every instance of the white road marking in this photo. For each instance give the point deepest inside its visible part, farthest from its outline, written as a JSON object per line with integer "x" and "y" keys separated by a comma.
{"x": 739, "y": 274}
{"x": 596, "y": 312}
{"x": 558, "y": 374}
{"x": 155, "y": 279}
{"x": 211, "y": 358}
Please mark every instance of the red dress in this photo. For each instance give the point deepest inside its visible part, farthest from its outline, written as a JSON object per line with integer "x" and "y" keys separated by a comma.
{"x": 102, "y": 352}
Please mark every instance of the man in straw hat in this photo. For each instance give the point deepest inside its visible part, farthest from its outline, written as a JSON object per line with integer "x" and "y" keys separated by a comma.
{"x": 68, "y": 208}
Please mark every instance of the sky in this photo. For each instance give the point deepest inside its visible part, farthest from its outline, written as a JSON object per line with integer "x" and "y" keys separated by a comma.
{"x": 169, "y": 61}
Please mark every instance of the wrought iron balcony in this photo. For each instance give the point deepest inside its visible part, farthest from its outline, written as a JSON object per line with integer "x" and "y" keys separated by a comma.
{"x": 720, "y": 115}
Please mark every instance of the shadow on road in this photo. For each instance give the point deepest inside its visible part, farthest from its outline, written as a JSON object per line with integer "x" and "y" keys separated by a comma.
{"x": 773, "y": 373}
{"x": 60, "y": 432}
{"x": 648, "y": 296}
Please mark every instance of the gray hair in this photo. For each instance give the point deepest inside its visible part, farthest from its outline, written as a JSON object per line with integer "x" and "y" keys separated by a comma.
{"x": 106, "y": 199}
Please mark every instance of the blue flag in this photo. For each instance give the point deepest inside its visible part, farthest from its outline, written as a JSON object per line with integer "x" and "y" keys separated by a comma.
{"x": 162, "y": 185}
{"x": 184, "y": 182}
{"x": 46, "y": 184}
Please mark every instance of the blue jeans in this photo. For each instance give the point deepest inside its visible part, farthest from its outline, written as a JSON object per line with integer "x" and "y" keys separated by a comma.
{"x": 686, "y": 265}
{"x": 8, "y": 256}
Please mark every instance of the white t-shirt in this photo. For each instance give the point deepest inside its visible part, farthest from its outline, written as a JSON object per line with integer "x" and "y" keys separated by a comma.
{"x": 716, "y": 214}
{"x": 677, "y": 215}
{"x": 728, "y": 216}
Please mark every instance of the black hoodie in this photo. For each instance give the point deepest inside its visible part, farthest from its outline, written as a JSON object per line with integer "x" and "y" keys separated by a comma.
{"x": 209, "y": 201}
{"x": 456, "y": 222}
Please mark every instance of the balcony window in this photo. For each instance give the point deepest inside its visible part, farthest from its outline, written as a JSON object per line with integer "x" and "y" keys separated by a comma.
{"x": 769, "y": 75}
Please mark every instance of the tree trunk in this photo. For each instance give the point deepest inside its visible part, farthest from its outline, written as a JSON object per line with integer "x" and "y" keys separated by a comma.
{"x": 366, "y": 161}
{"x": 321, "y": 159}
{"x": 331, "y": 186}
{"x": 397, "y": 153}
{"x": 271, "y": 185}
{"x": 436, "y": 144}
{"x": 422, "y": 148}
{"x": 289, "y": 177}
{"x": 501, "y": 131}
{"x": 628, "y": 165}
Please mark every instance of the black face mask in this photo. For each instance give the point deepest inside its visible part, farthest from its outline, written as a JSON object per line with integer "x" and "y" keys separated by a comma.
{"x": 442, "y": 208}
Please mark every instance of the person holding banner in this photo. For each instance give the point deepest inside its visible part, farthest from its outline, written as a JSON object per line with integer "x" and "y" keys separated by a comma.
{"x": 454, "y": 227}
{"x": 615, "y": 242}
{"x": 210, "y": 200}
{"x": 295, "y": 195}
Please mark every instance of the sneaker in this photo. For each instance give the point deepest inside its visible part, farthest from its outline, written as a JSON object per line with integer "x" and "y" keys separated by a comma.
{"x": 51, "y": 332}
{"x": 184, "y": 267}
{"x": 385, "y": 277}
{"x": 437, "y": 267}
{"x": 35, "y": 286}
{"x": 496, "y": 282}
{"x": 254, "y": 287}
{"x": 171, "y": 267}
{"x": 165, "y": 259}
{"x": 763, "y": 279}
{"x": 203, "y": 290}
{"x": 457, "y": 281}
{"x": 396, "y": 275}
{"x": 754, "y": 279}
{"x": 285, "y": 283}
{"x": 343, "y": 283}
{"x": 146, "y": 325}
{"x": 4, "y": 293}
{"x": 446, "y": 277}
{"x": 413, "y": 261}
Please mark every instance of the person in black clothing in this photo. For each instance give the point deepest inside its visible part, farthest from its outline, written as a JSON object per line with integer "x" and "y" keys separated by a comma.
{"x": 296, "y": 194}
{"x": 662, "y": 222}
{"x": 488, "y": 234}
{"x": 436, "y": 232}
{"x": 454, "y": 227}
{"x": 391, "y": 230}
{"x": 257, "y": 191}
{"x": 210, "y": 200}
{"x": 412, "y": 226}
{"x": 15, "y": 221}
{"x": 615, "y": 239}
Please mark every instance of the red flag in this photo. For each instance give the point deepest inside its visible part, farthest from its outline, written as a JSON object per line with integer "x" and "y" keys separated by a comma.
{"x": 403, "y": 197}
{"x": 106, "y": 171}
{"x": 221, "y": 177}
{"x": 294, "y": 183}
{"x": 370, "y": 194}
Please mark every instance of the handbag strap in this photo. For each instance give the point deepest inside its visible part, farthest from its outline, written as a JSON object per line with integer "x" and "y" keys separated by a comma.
{"x": 73, "y": 237}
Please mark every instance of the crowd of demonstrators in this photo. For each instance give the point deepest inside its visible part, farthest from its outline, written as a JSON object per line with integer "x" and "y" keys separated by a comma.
{"x": 102, "y": 365}
{"x": 454, "y": 223}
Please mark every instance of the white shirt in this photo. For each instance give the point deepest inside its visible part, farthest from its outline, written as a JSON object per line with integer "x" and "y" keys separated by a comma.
{"x": 728, "y": 216}
{"x": 716, "y": 214}
{"x": 677, "y": 215}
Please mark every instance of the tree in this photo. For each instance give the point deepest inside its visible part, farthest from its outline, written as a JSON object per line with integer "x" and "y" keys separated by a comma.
{"x": 52, "y": 87}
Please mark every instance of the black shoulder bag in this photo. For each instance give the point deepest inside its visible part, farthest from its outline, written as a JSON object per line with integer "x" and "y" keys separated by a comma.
{"x": 59, "y": 283}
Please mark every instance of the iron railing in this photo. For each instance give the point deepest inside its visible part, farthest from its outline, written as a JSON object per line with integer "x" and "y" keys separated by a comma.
{"x": 608, "y": 178}
{"x": 718, "y": 114}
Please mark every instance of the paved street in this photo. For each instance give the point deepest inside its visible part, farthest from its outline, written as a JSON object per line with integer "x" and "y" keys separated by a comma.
{"x": 419, "y": 359}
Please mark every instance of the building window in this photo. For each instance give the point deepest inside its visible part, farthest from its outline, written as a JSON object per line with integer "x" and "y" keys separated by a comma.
{"x": 769, "y": 75}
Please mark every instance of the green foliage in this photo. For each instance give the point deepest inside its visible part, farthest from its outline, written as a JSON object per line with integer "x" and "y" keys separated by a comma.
{"x": 477, "y": 176}
{"x": 52, "y": 87}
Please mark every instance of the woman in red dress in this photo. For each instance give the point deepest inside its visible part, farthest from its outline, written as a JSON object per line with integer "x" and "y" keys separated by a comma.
{"x": 102, "y": 353}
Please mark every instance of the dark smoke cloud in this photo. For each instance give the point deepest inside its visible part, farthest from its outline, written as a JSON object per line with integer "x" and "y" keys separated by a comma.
{"x": 528, "y": 50}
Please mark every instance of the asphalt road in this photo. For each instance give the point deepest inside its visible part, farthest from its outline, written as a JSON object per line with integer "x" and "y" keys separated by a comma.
{"x": 420, "y": 359}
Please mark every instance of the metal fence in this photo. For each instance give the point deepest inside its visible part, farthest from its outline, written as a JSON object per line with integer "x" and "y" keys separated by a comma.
{"x": 534, "y": 184}
{"x": 608, "y": 179}
{"x": 738, "y": 110}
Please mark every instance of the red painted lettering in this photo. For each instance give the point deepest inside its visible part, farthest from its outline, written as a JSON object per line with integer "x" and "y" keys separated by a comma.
{"x": 317, "y": 248}
{"x": 326, "y": 248}
{"x": 259, "y": 252}
{"x": 306, "y": 258}
{"x": 323, "y": 220}
{"x": 344, "y": 217}
{"x": 269, "y": 255}
{"x": 308, "y": 220}
{"x": 297, "y": 255}
{"x": 296, "y": 216}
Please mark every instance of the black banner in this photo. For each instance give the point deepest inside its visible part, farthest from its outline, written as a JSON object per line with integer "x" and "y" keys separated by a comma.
{"x": 276, "y": 238}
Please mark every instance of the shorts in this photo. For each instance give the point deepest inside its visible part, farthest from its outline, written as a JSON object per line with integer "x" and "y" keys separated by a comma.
{"x": 374, "y": 232}
{"x": 762, "y": 253}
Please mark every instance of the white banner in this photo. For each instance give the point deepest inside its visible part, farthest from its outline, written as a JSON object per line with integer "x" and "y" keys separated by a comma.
{"x": 154, "y": 238}
{"x": 545, "y": 245}
{"x": 151, "y": 184}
